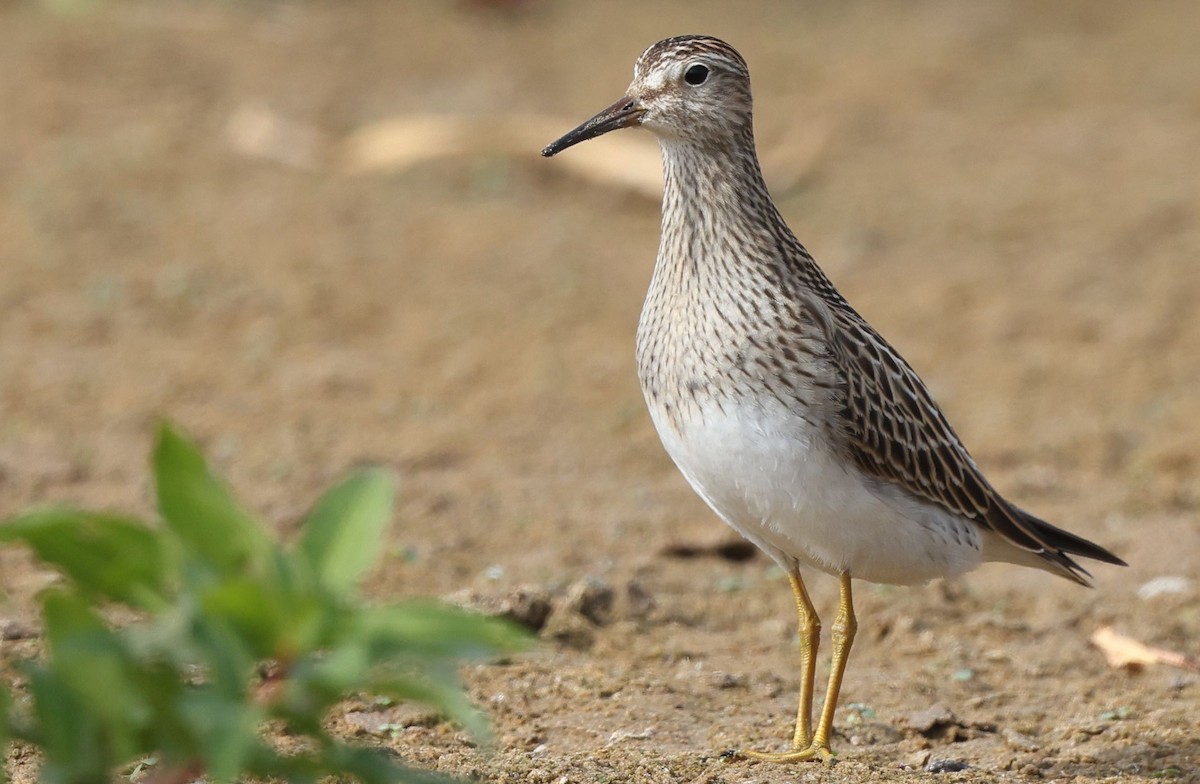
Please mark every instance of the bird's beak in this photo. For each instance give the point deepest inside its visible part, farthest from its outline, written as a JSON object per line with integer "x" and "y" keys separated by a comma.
{"x": 622, "y": 114}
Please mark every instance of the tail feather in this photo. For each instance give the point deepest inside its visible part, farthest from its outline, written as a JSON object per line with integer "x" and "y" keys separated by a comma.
{"x": 1061, "y": 545}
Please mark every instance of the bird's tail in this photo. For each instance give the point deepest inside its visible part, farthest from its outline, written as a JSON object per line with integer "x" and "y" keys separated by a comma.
{"x": 1061, "y": 545}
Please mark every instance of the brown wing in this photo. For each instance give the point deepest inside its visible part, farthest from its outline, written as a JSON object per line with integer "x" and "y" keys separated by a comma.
{"x": 897, "y": 433}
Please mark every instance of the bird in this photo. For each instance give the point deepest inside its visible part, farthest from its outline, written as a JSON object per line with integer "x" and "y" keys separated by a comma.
{"x": 786, "y": 412}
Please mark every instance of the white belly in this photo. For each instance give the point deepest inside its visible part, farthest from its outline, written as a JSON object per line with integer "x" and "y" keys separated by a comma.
{"x": 767, "y": 473}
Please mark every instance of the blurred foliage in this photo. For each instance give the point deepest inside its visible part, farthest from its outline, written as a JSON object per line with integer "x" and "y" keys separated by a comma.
{"x": 237, "y": 631}
{"x": 67, "y": 7}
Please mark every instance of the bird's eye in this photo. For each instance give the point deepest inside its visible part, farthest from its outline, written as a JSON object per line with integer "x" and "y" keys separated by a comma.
{"x": 697, "y": 74}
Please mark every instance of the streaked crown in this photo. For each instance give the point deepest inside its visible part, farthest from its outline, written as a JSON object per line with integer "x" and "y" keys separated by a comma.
{"x": 693, "y": 87}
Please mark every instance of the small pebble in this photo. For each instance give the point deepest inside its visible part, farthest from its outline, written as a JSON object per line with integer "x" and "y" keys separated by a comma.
{"x": 727, "y": 680}
{"x": 528, "y": 606}
{"x": 934, "y": 716}
{"x": 592, "y": 598}
{"x": 918, "y": 759}
{"x": 946, "y": 766}
{"x": 1167, "y": 584}
{"x": 1018, "y": 741}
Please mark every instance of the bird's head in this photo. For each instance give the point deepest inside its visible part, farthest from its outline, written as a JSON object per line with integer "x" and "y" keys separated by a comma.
{"x": 691, "y": 88}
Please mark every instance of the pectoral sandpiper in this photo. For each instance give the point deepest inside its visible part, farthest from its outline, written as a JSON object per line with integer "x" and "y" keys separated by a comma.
{"x": 786, "y": 412}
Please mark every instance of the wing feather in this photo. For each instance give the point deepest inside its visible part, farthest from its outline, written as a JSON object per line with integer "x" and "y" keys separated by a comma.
{"x": 895, "y": 432}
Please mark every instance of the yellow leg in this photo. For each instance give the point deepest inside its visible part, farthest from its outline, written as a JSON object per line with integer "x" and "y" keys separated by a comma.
{"x": 842, "y": 635}
{"x": 810, "y": 638}
{"x": 844, "y": 629}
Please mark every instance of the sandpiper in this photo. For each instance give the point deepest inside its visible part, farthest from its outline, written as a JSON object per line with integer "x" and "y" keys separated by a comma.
{"x": 784, "y": 409}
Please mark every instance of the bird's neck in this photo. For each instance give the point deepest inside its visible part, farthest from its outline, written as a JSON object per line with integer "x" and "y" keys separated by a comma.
{"x": 714, "y": 199}
{"x": 713, "y": 270}
{"x": 710, "y": 181}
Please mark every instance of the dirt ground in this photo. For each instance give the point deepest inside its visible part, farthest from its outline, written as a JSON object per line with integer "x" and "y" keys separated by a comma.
{"x": 1010, "y": 191}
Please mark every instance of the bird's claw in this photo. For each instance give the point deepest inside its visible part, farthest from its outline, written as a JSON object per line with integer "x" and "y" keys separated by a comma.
{"x": 814, "y": 751}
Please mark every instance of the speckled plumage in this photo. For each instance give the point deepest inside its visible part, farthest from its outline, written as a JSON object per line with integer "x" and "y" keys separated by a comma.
{"x": 796, "y": 421}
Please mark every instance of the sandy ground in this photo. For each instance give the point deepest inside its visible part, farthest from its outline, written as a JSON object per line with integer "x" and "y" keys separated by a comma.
{"x": 1009, "y": 191}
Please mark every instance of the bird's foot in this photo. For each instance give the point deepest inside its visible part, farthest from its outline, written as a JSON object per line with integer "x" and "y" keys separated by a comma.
{"x": 814, "y": 751}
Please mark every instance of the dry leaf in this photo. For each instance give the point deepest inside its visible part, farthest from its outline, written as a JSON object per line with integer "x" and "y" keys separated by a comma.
{"x": 257, "y": 132}
{"x": 1164, "y": 586}
{"x": 1127, "y": 653}
{"x": 402, "y": 142}
{"x": 629, "y": 162}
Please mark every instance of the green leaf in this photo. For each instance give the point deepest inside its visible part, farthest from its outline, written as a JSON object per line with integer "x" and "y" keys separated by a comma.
{"x": 343, "y": 534}
{"x": 433, "y": 629}
{"x": 227, "y": 730}
{"x": 307, "y": 616}
{"x": 265, "y": 763}
{"x": 217, "y": 596}
{"x": 276, "y": 613}
{"x": 90, "y": 660}
{"x": 68, "y": 734}
{"x": 332, "y": 673}
{"x": 316, "y": 682}
{"x": 168, "y": 736}
{"x": 251, "y": 612}
{"x": 201, "y": 509}
{"x": 224, "y": 654}
{"x": 105, "y": 555}
{"x": 440, "y": 690}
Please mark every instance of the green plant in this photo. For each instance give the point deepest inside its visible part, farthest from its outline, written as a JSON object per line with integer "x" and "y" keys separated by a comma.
{"x": 236, "y": 631}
